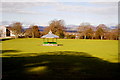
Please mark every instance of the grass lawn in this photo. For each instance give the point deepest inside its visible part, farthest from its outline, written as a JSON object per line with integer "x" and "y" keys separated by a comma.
{"x": 105, "y": 49}
{"x": 76, "y": 58}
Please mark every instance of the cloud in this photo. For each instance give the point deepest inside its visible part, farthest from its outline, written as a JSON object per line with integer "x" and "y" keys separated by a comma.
{"x": 20, "y": 7}
{"x": 101, "y": 8}
{"x": 98, "y": 8}
{"x": 59, "y": 0}
{"x": 75, "y": 10}
{"x": 28, "y": 0}
{"x": 25, "y": 8}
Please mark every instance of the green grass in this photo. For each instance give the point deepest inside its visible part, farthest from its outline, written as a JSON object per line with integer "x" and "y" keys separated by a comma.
{"x": 104, "y": 49}
{"x": 75, "y": 59}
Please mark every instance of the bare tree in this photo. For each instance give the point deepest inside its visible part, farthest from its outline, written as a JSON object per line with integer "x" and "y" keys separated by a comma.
{"x": 1, "y": 33}
{"x": 83, "y": 29}
{"x": 33, "y": 32}
{"x": 100, "y": 33}
{"x": 28, "y": 33}
{"x": 102, "y": 29}
{"x": 90, "y": 33}
{"x": 57, "y": 27}
{"x": 114, "y": 34}
{"x": 16, "y": 29}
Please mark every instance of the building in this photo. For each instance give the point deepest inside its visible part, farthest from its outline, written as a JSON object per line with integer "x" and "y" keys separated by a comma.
{"x": 48, "y": 36}
{"x": 6, "y": 32}
{"x": 73, "y": 34}
{"x": 2, "y": 31}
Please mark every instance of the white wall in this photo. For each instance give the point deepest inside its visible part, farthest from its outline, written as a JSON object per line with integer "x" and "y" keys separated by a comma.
{"x": 3, "y": 31}
{"x": 11, "y": 33}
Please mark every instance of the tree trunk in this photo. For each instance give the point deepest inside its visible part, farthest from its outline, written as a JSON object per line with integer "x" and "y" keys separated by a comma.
{"x": 16, "y": 36}
{"x": 33, "y": 35}
{"x": 116, "y": 38}
{"x": 101, "y": 37}
{"x": 92, "y": 37}
{"x": 85, "y": 37}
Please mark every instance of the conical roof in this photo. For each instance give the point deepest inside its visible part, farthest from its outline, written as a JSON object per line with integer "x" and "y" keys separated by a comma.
{"x": 50, "y": 35}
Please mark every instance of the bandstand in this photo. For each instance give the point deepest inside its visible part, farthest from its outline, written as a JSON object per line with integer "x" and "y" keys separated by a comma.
{"x": 50, "y": 39}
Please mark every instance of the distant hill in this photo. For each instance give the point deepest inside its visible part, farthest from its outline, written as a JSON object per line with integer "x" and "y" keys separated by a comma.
{"x": 113, "y": 27}
{"x": 68, "y": 28}
{"x": 71, "y": 28}
{"x": 41, "y": 28}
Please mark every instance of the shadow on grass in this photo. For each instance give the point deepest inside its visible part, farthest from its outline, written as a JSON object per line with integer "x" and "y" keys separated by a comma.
{"x": 61, "y": 65}
{"x": 4, "y": 39}
{"x": 9, "y": 51}
{"x": 60, "y": 44}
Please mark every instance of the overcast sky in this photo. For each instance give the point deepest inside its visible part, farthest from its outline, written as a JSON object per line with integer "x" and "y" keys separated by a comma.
{"x": 42, "y": 12}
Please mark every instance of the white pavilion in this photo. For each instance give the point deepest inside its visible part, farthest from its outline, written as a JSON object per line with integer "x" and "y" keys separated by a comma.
{"x": 50, "y": 39}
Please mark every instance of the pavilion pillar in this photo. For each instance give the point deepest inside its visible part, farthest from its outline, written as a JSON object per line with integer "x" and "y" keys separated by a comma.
{"x": 47, "y": 39}
{"x": 43, "y": 39}
{"x": 52, "y": 39}
{"x": 56, "y": 39}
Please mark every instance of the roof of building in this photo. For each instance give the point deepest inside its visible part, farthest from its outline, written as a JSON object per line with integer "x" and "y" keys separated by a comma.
{"x": 50, "y": 35}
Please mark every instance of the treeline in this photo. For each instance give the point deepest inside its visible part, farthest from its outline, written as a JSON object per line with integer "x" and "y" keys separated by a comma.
{"x": 84, "y": 31}
{"x": 56, "y": 26}
{"x": 87, "y": 31}
{"x": 19, "y": 32}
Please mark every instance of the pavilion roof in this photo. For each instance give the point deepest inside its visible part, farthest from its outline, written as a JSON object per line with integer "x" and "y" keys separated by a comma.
{"x": 50, "y": 35}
